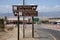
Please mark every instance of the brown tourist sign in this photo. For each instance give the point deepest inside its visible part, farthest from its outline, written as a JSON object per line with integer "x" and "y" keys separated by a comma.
{"x": 25, "y": 10}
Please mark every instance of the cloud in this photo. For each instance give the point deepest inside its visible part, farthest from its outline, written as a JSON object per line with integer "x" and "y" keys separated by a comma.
{"x": 5, "y": 8}
{"x": 17, "y": 4}
{"x": 31, "y": 4}
{"x": 8, "y": 8}
{"x": 48, "y": 9}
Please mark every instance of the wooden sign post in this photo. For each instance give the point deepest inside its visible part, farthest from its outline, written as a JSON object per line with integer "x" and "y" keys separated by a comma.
{"x": 25, "y": 10}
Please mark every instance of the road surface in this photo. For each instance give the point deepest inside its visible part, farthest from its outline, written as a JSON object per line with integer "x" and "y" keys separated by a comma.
{"x": 37, "y": 27}
{"x": 55, "y": 33}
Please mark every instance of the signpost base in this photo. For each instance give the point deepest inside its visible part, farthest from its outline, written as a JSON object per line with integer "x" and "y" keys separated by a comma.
{"x": 32, "y": 27}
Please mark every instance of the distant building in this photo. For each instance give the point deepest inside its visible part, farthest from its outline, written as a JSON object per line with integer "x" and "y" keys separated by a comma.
{"x": 14, "y": 20}
{"x": 54, "y": 19}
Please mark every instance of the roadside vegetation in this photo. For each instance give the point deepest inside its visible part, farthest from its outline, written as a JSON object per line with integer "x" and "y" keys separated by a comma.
{"x": 2, "y": 23}
{"x": 43, "y": 22}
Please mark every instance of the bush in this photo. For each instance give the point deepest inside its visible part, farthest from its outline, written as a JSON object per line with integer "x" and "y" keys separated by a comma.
{"x": 46, "y": 21}
{"x": 1, "y": 23}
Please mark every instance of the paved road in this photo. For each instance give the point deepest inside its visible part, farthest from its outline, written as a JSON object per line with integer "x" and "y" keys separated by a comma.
{"x": 42, "y": 35}
{"x": 55, "y": 33}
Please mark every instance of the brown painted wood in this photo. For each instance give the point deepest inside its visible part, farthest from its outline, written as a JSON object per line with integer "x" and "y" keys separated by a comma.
{"x": 27, "y": 10}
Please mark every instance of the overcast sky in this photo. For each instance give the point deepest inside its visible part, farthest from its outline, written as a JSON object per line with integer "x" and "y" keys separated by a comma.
{"x": 43, "y": 5}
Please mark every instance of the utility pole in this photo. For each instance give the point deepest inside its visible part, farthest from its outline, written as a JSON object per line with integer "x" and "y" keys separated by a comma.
{"x": 23, "y": 2}
{"x": 23, "y": 21}
{"x": 18, "y": 26}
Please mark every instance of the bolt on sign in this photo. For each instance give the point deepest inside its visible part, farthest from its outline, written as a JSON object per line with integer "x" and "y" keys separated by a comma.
{"x": 25, "y": 10}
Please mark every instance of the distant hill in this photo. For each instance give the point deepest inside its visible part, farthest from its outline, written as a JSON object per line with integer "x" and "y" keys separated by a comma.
{"x": 49, "y": 14}
{"x": 41, "y": 14}
{"x": 6, "y": 14}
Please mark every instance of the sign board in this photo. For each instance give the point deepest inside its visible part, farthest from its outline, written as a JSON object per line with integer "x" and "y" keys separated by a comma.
{"x": 30, "y": 13}
{"x": 27, "y": 13}
{"x": 15, "y": 8}
{"x": 36, "y": 19}
{"x": 20, "y": 13}
{"x": 25, "y": 10}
